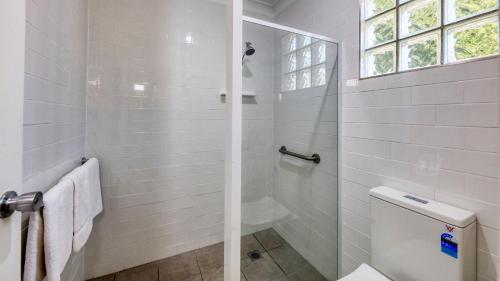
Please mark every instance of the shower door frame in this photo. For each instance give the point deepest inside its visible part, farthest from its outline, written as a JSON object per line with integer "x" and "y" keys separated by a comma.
{"x": 234, "y": 85}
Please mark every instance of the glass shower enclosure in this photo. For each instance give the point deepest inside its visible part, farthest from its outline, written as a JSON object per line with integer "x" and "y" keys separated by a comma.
{"x": 289, "y": 189}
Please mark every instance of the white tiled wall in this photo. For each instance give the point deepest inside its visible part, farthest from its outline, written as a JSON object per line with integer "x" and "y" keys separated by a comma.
{"x": 305, "y": 121}
{"x": 155, "y": 119}
{"x": 258, "y": 136}
{"x": 55, "y": 89}
{"x": 433, "y": 132}
{"x": 430, "y": 140}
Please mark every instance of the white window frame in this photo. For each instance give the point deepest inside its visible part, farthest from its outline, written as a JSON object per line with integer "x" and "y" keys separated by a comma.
{"x": 398, "y": 39}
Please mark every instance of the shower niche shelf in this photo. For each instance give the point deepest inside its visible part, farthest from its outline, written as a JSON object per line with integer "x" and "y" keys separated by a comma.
{"x": 245, "y": 94}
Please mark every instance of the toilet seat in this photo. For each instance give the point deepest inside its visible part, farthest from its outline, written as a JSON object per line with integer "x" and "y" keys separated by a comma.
{"x": 365, "y": 273}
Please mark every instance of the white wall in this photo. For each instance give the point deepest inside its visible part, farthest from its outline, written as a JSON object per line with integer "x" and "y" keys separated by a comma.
{"x": 305, "y": 121}
{"x": 432, "y": 132}
{"x": 257, "y": 146}
{"x": 54, "y": 98}
{"x": 161, "y": 149}
{"x": 435, "y": 134}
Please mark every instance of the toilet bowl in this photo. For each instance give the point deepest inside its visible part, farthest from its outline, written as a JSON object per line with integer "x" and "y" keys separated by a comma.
{"x": 365, "y": 273}
{"x": 414, "y": 238}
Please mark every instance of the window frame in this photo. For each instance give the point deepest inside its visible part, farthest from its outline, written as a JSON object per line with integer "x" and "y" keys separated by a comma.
{"x": 398, "y": 39}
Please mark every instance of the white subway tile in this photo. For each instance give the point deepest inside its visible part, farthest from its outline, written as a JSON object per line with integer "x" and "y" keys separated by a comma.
{"x": 423, "y": 115}
{"x": 54, "y": 109}
{"x": 471, "y": 115}
{"x": 451, "y": 137}
{"x": 438, "y": 93}
{"x": 385, "y": 132}
{"x": 483, "y": 139}
{"x": 488, "y": 240}
{"x": 482, "y": 90}
{"x": 383, "y": 98}
{"x": 483, "y": 188}
{"x": 369, "y": 147}
{"x": 488, "y": 265}
{"x": 356, "y": 253}
{"x": 431, "y": 160}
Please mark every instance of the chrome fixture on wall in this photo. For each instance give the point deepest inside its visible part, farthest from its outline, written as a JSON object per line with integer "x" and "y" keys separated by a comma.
{"x": 29, "y": 202}
{"x": 10, "y": 201}
{"x": 249, "y": 50}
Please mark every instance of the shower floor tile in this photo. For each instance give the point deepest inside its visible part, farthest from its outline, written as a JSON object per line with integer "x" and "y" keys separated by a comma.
{"x": 148, "y": 272}
{"x": 278, "y": 262}
{"x": 181, "y": 267}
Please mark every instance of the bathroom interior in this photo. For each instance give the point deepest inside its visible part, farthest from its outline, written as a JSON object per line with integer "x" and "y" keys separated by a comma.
{"x": 258, "y": 140}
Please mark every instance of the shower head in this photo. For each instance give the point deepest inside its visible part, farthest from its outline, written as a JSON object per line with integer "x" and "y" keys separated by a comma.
{"x": 249, "y": 50}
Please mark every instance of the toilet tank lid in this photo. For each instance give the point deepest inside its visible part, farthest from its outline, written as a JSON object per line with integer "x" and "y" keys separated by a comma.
{"x": 437, "y": 210}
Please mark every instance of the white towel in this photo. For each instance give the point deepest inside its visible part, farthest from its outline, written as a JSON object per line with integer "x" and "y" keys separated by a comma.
{"x": 95, "y": 186}
{"x": 58, "y": 228}
{"x": 34, "y": 262}
{"x": 88, "y": 200}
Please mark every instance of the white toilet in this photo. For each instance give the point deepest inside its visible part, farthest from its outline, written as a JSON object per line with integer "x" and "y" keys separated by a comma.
{"x": 416, "y": 239}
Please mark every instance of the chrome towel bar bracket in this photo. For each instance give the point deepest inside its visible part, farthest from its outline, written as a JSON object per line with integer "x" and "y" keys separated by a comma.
{"x": 314, "y": 158}
{"x": 28, "y": 202}
{"x": 84, "y": 160}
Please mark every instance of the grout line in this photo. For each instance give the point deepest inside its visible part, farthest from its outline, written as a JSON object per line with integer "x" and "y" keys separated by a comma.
{"x": 278, "y": 265}
{"x": 269, "y": 253}
{"x": 198, "y": 264}
{"x": 260, "y": 243}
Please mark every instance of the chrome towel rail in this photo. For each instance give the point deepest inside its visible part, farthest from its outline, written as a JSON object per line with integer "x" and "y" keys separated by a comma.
{"x": 10, "y": 201}
{"x": 314, "y": 158}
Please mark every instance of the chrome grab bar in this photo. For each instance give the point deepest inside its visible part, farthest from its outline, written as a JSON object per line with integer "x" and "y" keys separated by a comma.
{"x": 314, "y": 158}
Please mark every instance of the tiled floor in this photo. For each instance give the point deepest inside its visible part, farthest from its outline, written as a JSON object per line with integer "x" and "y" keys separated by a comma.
{"x": 278, "y": 262}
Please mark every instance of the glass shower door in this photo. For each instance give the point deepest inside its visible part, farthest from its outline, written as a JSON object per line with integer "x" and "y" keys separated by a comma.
{"x": 289, "y": 155}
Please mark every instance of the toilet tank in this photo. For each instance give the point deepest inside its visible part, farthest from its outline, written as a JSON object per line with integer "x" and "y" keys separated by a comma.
{"x": 416, "y": 239}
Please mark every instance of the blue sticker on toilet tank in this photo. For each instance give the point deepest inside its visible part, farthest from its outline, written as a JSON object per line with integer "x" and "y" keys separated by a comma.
{"x": 448, "y": 246}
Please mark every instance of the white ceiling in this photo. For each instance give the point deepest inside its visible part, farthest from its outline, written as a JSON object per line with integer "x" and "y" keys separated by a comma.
{"x": 269, "y": 8}
{"x": 270, "y": 3}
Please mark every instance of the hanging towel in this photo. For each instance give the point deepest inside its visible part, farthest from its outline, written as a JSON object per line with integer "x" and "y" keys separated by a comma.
{"x": 34, "y": 262}
{"x": 58, "y": 228}
{"x": 88, "y": 200}
{"x": 92, "y": 167}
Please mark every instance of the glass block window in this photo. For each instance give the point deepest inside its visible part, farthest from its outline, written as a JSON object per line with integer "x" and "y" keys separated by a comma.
{"x": 303, "y": 62}
{"x": 402, "y": 35}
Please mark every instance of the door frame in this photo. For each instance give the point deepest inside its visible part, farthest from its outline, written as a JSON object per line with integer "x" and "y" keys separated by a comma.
{"x": 12, "y": 57}
{"x": 232, "y": 191}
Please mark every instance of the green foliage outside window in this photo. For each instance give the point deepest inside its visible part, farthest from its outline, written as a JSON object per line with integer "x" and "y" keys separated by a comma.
{"x": 477, "y": 42}
{"x": 424, "y": 18}
{"x": 382, "y": 5}
{"x": 384, "y": 63}
{"x": 384, "y": 31}
{"x": 470, "y": 43}
{"x": 468, "y": 7}
{"x": 423, "y": 54}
